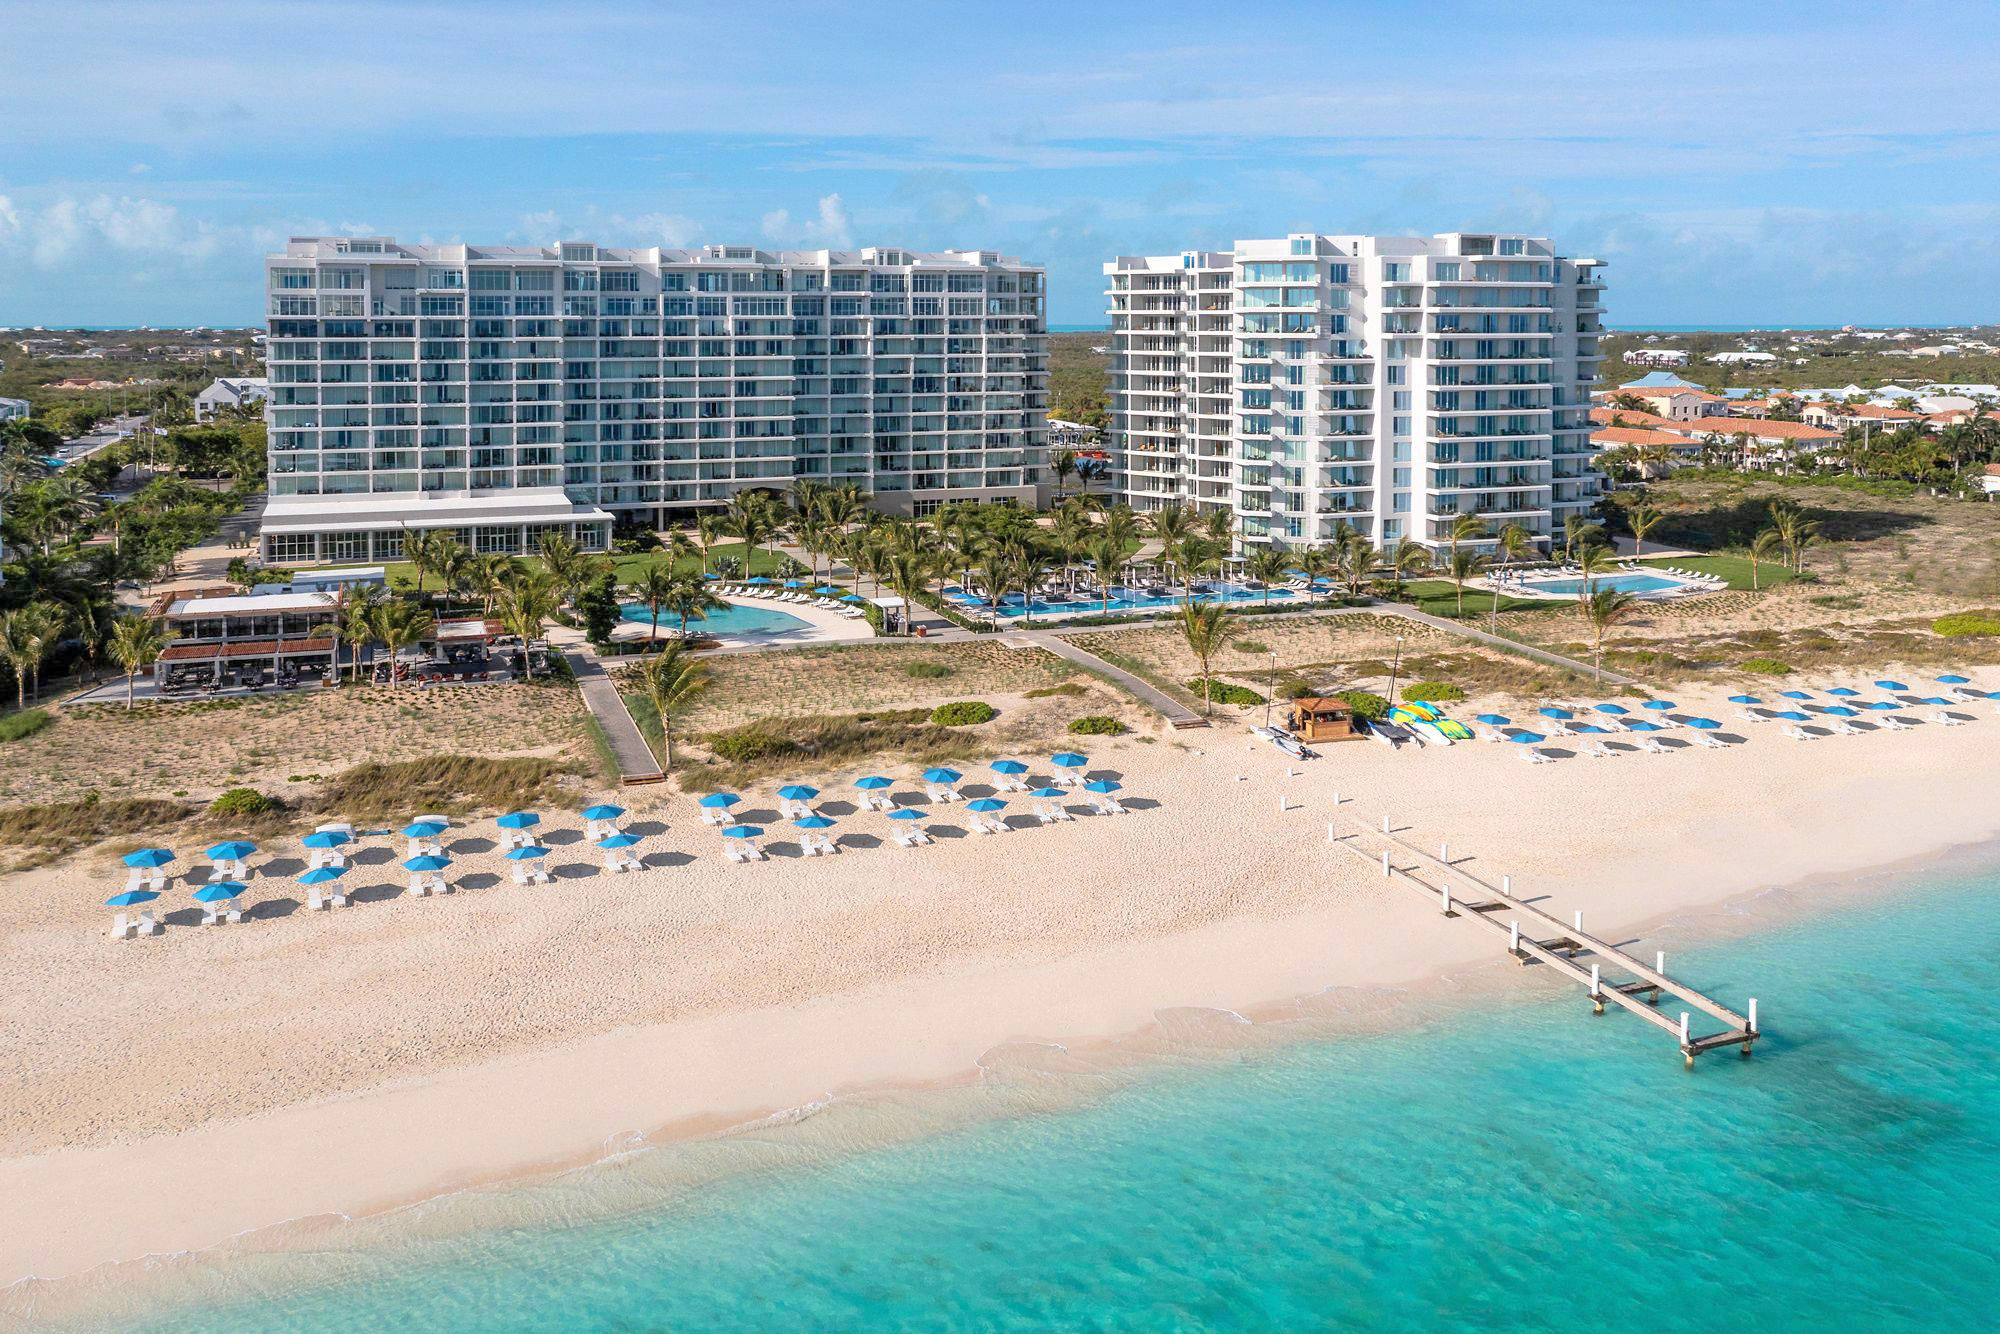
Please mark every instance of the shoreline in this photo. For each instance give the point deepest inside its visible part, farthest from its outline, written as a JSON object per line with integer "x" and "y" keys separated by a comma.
{"x": 537, "y": 1114}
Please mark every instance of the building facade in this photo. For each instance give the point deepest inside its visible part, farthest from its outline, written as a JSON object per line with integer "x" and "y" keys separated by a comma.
{"x": 501, "y": 392}
{"x": 1387, "y": 383}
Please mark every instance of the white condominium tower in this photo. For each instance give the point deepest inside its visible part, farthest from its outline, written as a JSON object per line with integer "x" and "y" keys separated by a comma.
{"x": 1391, "y": 383}
{"x": 501, "y": 392}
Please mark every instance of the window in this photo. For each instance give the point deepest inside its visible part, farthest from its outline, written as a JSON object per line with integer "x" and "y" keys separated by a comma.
{"x": 1336, "y": 273}
{"x": 1302, "y": 245}
{"x": 491, "y": 280}
{"x": 1447, "y": 271}
{"x": 1395, "y": 272}
{"x": 1513, "y": 246}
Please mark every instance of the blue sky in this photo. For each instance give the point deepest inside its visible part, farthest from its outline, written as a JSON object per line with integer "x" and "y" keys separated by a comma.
{"x": 1777, "y": 162}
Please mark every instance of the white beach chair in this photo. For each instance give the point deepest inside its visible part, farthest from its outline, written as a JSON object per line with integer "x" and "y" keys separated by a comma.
{"x": 940, "y": 792}
{"x": 1967, "y": 695}
{"x": 1750, "y": 715}
{"x": 122, "y": 927}
{"x": 1798, "y": 733}
{"x": 326, "y": 857}
{"x": 1943, "y": 719}
{"x": 1599, "y": 751}
{"x": 1534, "y": 756}
{"x": 1557, "y": 727}
{"x": 875, "y": 801}
{"x": 977, "y": 826}
{"x": 903, "y": 838}
{"x": 1651, "y": 745}
{"x": 617, "y": 859}
{"x": 1842, "y": 727}
{"x": 216, "y": 914}
{"x": 794, "y": 810}
{"x": 147, "y": 924}
{"x": 825, "y": 846}
{"x": 1708, "y": 741}
{"x": 1898, "y": 724}
{"x": 530, "y": 875}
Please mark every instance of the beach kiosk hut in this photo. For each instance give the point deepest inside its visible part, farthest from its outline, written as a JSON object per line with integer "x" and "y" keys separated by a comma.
{"x": 1318, "y": 719}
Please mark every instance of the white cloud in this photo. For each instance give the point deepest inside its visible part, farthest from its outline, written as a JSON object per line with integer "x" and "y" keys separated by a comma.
{"x": 68, "y": 228}
{"x": 829, "y": 228}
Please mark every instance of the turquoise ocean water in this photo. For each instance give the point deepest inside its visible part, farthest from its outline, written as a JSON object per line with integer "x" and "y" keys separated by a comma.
{"x": 1514, "y": 1166}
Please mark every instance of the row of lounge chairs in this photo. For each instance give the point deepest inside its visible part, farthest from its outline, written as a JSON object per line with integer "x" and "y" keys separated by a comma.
{"x": 767, "y": 594}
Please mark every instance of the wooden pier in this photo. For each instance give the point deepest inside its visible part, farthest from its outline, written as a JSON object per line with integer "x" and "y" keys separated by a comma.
{"x": 1608, "y": 974}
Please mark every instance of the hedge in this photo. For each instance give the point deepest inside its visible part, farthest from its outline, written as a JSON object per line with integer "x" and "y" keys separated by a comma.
{"x": 1222, "y": 692}
{"x": 1366, "y": 704}
{"x": 1098, "y": 724}
{"x": 1960, "y": 625}
{"x": 244, "y": 801}
{"x": 962, "y": 713}
{"x": 25, "y": 723}
{"x": 1767, "y": 666}
{"x": 1432, "y": 692}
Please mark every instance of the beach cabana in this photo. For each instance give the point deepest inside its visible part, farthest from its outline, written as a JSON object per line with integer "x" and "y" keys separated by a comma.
{"x": 617, "y": 857}
{"x": 145, "y": 924}
{"x": 738, "y": 843}
{"x": 218, "y": 902}
{"x": 323, "y": 875}
{"x": 811, "y": 843}
{"x": 715, "y": 808}
{"x": 1325, "y": 718}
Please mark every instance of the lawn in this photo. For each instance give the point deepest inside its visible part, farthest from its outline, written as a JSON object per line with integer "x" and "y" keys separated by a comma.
{"x": 1735, "y": 569}
{"x": 627, "y": 569}
{"x": 1439, "y": 597}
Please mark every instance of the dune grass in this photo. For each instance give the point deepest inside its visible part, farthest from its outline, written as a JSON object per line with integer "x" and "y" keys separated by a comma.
{"x": 770, "y": 747}
{"x": 447, "y": 783}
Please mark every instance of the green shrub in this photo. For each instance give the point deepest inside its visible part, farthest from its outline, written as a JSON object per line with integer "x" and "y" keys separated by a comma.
{"x": 927, "y": 671}
{"x": 1249, "y": 646}
{"x": 962, "y": 713}
{"x": 1294, "y": 687}
{"x": 1366, "y": 704}
{"x": 1767, "y": 667}
{"x": 1960, "y": 625}
{"x": 244, "y": 801}
{"x": 748, "y": 743}
{"x": 1222, "y": 692}
{"x": 25, "y": 723}
{"x": 1098, "y": 724}
{"x": 1432, "y": 692}
{"x": 1067, "y": 688}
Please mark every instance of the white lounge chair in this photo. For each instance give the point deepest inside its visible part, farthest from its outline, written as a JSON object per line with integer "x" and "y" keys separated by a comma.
{"x": 524, "y": 874}
{"x": 911, "y": 838}
{"x": 216, "y": 914}
{"x": 1711, "y": 742}
{"x": 795, "y": 810}
{"x": 716, "y": 816}
{"x": 1897, "y": 724}
{"x": 1798, "y": 733}
{"x": 1750, "y": 715}
{"x": 1651, "y": 745}
{"x": 738, "y": 851}
{"x": 327, "y": 857}
{"x": 146, "y": 924}
{"x": 875, "y": 801}
{"x": 1010, "y": 783}
{"x": 1535, "y": 756}
{"x": 942, "y": 792}
{"x": 122, "y": 927}
{"x": 1842, "y": 727}
{"x": 1943, "y": 719}
{"x": 1967, "y": 695}
{"x": 1599, "y": 751}
{"x": 617, "y": 859}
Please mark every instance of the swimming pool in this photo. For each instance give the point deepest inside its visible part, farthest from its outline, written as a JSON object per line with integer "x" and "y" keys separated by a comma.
{"x": 733, "y": 620}
{"x": 1624, "y": 583}
{"x": 1122, "y": 599}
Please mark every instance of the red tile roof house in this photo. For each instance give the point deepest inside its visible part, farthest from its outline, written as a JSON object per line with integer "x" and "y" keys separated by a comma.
{"x": 1840, "y": 416}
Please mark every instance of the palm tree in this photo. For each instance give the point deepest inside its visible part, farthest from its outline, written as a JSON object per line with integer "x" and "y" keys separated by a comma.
{"x": 399, "y": 624}
{"x": 1406, "y": 557}
{"x": 356, "y": 621}
{"x": 710, "y": 528}
{"x": 1595, "y": 560}
{"x": 39, "y": 627}
{"x": 1170, "y": 524}
{"x": 681, "y": 548}
{"x": 653, "y": 587}
{"x": 136, "y": 644}
{"x": 1643, "y": 519}
{"x": 689, "y": 599}
{"x": 1315, "y": 563}
{"x": 751, "y": 518}
{"x": 524, "y": 605}
{"x": 1763, "y": 547}
{"x": 1354, "y": 560}
{"x": 422, "y": 548}
{"x": 567, "y": 563}
{"x": 1604, "y": 609}
{"x": 1063, "y": 464}
{"x": 909, "y": 572}
{"x": 491, "y": 575}
{"x": 1267, "y": 565}
{"x": 1030, "y": 568}
{"x": 1121, "y": 525}
{"x": 1464, "y": 565}
{"x": 1192, "y": 554}
{"x": 671, "y": 680}
{"x": 1466, "y": 528}
{"x": 1573, "y": 524}
{"x": 1069, "y": 531}
{"x": 1107, "y": 556}
{"x": 1515, "y": 542}
{"x": 1216, "y": 525}
{"x": 14, "y": 651}
{"x": 996, "y": 576}
{"x": 457, "y": 567}
{"x": 1206, "y": 626}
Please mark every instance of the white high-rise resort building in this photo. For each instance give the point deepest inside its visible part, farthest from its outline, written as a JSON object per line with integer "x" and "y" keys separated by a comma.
{"x": 501, "y": 392}
{"x": 1392, "y": 383}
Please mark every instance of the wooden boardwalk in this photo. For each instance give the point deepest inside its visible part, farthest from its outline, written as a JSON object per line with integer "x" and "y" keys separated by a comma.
{"x": 1607, "y": 973}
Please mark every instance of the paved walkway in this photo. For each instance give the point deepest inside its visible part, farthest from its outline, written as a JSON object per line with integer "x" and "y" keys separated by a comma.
{"x": 636, "y": 762}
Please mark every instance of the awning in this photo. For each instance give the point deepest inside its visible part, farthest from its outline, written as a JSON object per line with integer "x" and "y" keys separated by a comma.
{"x": 245, "y": 648}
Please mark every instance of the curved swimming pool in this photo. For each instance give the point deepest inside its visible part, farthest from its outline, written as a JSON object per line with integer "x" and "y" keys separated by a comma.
{"x": 733, "y": 620}
{"x": 1624, "y": 583}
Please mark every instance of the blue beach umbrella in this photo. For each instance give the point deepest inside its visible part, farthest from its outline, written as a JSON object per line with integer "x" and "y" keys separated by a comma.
{"x": 1881, "y": 705}
{"x": 218, "y": 891}
{"x": 617, "y": 840}
{"x": 1643, "y": 726}
{"x": 798, "y": 792}
{"x": 1008, "y": 767}
{"x": 325, "y": 838}
{"x": 942, "y": 775}
{"x": 1744, "y": 699}
{"x": 1527, "y": 738}
{"x": 319, "y": 875}
{"x": 1615, "y": 710}
{"x": 1702, "y": 724}
{"x": 795, "y": 583}
{"x": 518, "y": 820}
{"x": 1795, "y": 694}
{"x": 528, "y": 853}
{"x": 1592, "y": 729}
{"x": 906, "y": 813}
{"x": 743, "y": 831}
{"x": 131, "y": 898}
{"x": 813, "y": 822}
{"x": 423, "y": 829}
{"x": 758, "y": 579}
{"x": 1660, "y": 705}
{"x": 603, "y": 812}
{"x": 1047, "y": 793}
{"x": 716, "y": 801}
{"x": 1553, "y": 712}
{"x": 1068, "y": 759}
{"x": 1842, "y": 692}
{"x": 1953, "y": 679}
{"x": 874, "y": 783}
{"x": 1494, "y": 720}
{"x": 1102, "y": 785}
{"x": 149, "y": 858}
{"x": 854, "y": 597}
{"x": 986, "y": 805}
{"x": 1890, "y": 685}
{"x": 1841, "y": 711}
{"x": 1936, "y": 699}
{"x": 426, "y": 863}
{"x": 1792, "y": 716}
{"x": 234, "y": 851}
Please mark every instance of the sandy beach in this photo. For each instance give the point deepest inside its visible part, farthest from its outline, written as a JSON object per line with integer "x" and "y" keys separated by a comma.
{"x": 168, "y": 1094}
